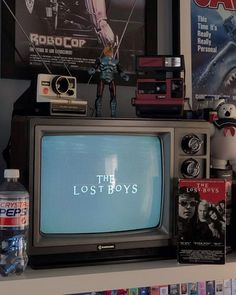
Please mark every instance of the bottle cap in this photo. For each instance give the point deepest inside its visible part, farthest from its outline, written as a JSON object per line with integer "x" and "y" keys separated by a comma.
{"x": 11, "y": 173}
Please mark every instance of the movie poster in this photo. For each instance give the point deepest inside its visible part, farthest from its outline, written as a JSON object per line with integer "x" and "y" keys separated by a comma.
{"x": 208, "y": 42}
{"x": 200, "y": 223}
{"x": 72, "y": 34}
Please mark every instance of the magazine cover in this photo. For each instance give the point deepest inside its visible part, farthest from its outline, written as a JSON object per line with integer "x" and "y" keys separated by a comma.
{"x": 233, "y": 286}
{"x": 144, "y": 290}
{"x": 174, "y": 289}
{"x": 202, "y": 288}
{"x": 200, "y": 226}
{"x": 210, "y": 66}
{"x": 155, "y": 290}
{"x": 227, "y": 287}
{"x": 193, "y": 288}
{"x": 164, "y": 290}
{"x": 184, "y": 288}
{"x": 210, "y": 287}
{"x": 133, "y": 291}
{"x": 219, "y": 287}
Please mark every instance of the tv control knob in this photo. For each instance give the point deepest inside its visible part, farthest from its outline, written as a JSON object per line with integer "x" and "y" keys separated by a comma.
{"x": 190, "y": 168}
{"x": 191, "y": 144}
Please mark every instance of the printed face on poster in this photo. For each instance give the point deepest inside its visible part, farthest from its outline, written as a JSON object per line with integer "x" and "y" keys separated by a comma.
{"x": 208, "y": 42}
{"x": 69, "y": 35}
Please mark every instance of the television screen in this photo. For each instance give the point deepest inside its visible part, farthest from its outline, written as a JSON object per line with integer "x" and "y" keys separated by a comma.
{"x": 100, "y": 183}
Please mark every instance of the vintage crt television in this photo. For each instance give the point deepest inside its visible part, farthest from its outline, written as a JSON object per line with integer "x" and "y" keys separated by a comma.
{"x": 102, "y": 190}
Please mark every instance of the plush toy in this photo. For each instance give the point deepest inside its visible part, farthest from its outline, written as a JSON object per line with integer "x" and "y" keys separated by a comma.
{"x": 223, "y": 137}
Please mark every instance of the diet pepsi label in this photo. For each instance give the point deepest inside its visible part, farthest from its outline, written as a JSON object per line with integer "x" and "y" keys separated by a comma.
{"x": 14, "y": 213}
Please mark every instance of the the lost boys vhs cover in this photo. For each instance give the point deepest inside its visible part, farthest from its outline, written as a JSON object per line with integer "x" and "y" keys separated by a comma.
{"x": 201, "y": 221}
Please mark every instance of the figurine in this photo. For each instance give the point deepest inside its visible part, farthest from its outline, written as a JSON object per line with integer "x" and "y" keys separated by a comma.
{"x": 107, "y": 66}
{"x": 223, "y": 137}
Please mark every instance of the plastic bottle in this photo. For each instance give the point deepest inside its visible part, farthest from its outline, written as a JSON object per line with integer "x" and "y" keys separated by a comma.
{"x": 14, "y": 222}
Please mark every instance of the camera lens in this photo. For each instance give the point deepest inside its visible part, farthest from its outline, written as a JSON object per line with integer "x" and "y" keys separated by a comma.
{"x": 60, "y": 84}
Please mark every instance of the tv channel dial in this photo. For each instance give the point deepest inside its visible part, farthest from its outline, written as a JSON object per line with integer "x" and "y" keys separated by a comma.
{"x": 191, "y": 144}
{"x": 190, "y": 168}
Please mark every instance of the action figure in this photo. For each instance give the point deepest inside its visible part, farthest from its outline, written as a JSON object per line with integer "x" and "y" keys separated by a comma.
{"x": 107, "y": 66}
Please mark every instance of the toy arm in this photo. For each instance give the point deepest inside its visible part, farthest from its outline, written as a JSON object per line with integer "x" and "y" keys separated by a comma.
{"x": 93, "y": 69}
{"x": 123, "y": 75}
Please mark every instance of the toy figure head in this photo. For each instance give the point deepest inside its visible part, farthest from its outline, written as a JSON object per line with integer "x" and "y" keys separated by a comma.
{"x": 227, "y": 110}
{"x": 108, "y": 51}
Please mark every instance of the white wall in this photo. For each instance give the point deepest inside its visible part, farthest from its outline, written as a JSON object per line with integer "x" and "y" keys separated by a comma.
{"x": 10, "y": 90}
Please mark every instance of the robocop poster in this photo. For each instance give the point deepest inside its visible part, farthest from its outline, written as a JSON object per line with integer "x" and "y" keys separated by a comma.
{"x": 70, "y": 35}
{"x": 208, "y": 43}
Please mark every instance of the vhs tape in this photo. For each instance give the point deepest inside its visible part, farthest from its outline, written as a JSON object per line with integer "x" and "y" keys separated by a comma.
{"x": 200, "y": 225}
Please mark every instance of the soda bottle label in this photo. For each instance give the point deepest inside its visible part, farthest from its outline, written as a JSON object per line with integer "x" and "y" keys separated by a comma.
{"x": 14, "y": 212}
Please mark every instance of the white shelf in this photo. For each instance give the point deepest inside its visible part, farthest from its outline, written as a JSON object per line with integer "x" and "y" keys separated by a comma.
{"x": 113, "y": 276}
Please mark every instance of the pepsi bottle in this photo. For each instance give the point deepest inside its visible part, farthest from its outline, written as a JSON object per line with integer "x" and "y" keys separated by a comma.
{"x": 14, "y": 222}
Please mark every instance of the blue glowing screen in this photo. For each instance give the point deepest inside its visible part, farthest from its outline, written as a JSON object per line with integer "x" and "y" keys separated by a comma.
{"x": 100, "y": 183}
